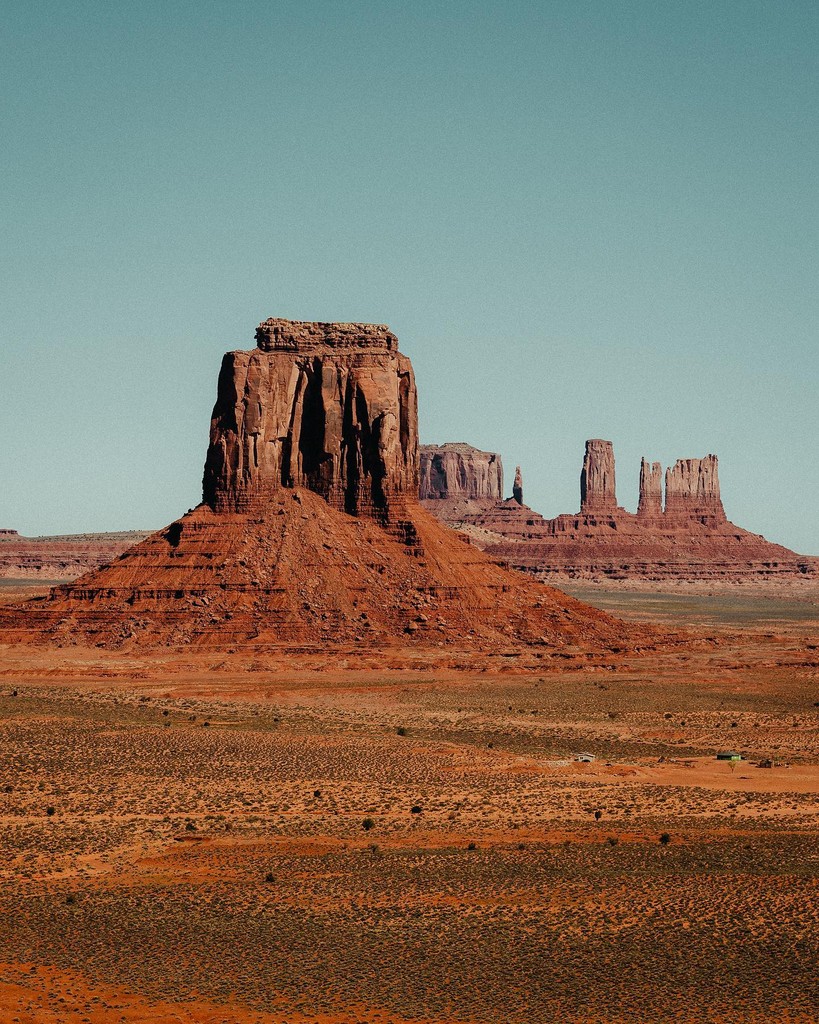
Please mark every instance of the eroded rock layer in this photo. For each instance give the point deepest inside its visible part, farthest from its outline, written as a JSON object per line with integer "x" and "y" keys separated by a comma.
{"x": 311, "y": 531}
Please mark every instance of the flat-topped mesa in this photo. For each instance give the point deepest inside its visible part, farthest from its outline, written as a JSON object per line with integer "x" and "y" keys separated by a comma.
{"x": 517, "y": 486}
{"x": 329, "y": 407}
{"x": 597, "y": 489}
{"x": 457, "y": 470}
{"x": 692, "y": 490}
{"x": 650, "y": 503}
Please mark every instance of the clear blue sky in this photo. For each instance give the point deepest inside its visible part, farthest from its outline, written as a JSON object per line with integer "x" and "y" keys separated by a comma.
{"x": 582, "y": 219}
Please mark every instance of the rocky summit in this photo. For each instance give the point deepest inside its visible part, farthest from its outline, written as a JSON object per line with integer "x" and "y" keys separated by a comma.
{"x": 310, "y": 530}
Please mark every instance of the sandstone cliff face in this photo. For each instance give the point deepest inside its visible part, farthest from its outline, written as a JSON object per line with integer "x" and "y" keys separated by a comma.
{"x": 329, "y": 407}
{"x": 457, "y": 470}
{"x": 597, "y": 489}
{"x": 517, "y": 486}
{"x": 650, "y": 503}
{"x": 692, "y": 490}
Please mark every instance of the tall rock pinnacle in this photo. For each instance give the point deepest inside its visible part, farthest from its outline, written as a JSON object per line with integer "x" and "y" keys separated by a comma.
{"x": 597, "y": 491}
{"x": 330, "y": 407}
{"x": 517, "y": 486}
{"x": 692, "y": 490}
{"x": 650, "y": 504}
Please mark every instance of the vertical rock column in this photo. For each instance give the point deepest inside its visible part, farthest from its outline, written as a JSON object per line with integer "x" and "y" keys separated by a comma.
{"x": 597, "y": 491}
{"x": 650, "y": 504}
{"x": 517, "y": 486}
{"x": 692, "y": 490}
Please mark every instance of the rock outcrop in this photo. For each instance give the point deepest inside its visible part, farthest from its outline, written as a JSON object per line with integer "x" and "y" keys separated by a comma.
{"x": 692, "y": 490}
{"x": 329, "y": 407}
{"x": 517, "y": 486}
{"x": 311, "y": 532}
{"x": 597, "y": 486}
{"x": 650, "y": 501}
{"x": 689, "y": 538}
{"x": 458, "y": 470}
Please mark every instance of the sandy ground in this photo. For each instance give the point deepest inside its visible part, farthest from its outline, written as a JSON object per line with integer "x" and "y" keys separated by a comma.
{"x": 296, "y": 837}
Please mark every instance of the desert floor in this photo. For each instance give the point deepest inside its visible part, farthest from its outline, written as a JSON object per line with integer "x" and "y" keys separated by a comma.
{"x": 201, "y": 837}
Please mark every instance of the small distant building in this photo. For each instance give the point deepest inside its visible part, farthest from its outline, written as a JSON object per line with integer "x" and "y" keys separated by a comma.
{"x": 585, "y": 758}
{"x": 729, "y": 755}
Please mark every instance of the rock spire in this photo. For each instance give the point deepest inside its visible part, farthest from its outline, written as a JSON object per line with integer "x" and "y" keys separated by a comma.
{"x": 597, "y": 489}
{"x": 650, "y": 503}
{"x": 517, "y": 486}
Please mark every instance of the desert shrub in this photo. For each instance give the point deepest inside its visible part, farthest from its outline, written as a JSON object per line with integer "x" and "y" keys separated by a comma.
{"x": 401, "y": 730}
{"x": 50, "y": 811}
{"x": 665, "y": 839}
{"x": 416, "y": 809}
{"x": 367, "y": 824}
{"x": 270, "y": 877}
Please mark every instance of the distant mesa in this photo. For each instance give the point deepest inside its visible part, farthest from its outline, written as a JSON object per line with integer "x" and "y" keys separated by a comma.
{"x": 457, "y": 470}
{"x": 683, "y": 535}
{"x": 60, "y": 557}
{"x": 310, "y": 531}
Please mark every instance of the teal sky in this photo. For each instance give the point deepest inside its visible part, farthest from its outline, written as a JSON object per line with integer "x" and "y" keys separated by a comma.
{"x": 582, "y": 219}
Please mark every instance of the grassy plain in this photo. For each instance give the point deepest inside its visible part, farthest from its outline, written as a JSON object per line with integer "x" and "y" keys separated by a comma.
{"x": 202, "y": 838}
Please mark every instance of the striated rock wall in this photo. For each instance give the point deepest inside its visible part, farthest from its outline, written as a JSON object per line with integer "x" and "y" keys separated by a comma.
{"x": 650, "y": 503}
{"x": 457, "y": 470}
{"x": 329, "y": 407}
{"x": 692, "y": 489}
{"x": 597, "y": 487}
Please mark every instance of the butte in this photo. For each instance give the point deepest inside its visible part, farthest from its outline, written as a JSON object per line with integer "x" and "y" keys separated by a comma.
{"x": 310, "y": 531}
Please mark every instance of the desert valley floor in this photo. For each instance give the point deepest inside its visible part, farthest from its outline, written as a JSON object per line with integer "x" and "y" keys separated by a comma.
{"x": 245, "y": 837}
